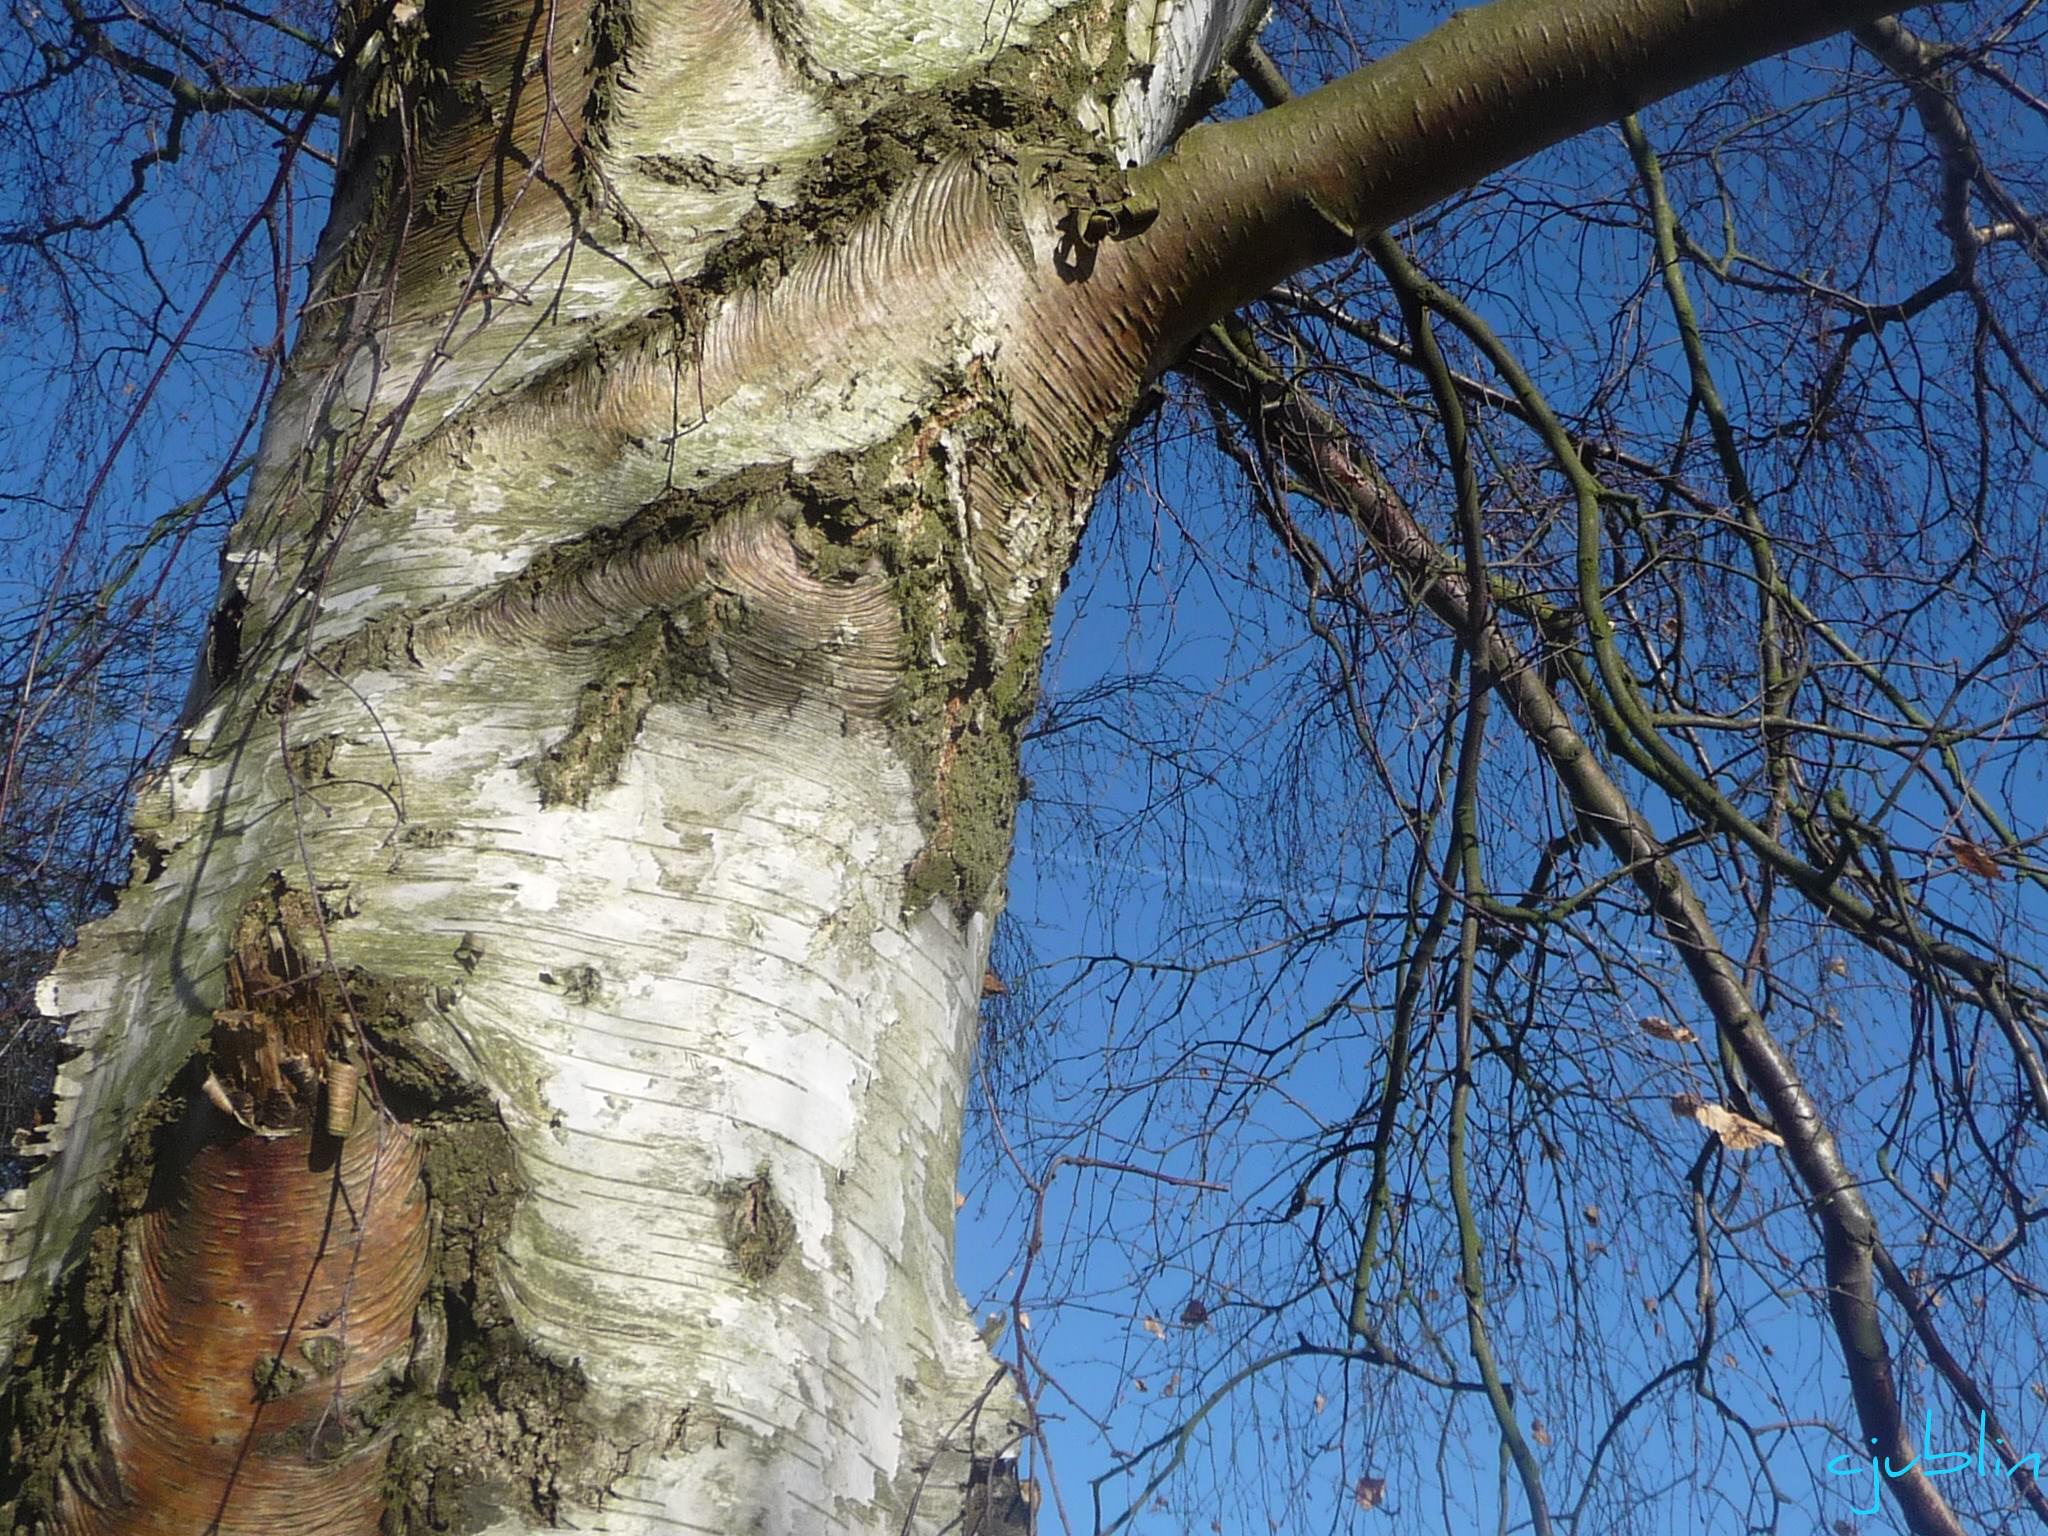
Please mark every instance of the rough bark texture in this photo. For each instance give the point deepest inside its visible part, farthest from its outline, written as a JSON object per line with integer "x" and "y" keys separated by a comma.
{"x": 608, "y": 747}
{"x": 618, "y": 677}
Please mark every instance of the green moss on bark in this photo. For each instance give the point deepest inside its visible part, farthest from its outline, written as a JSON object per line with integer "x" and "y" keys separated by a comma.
{"x": 971, "y": 668}
{"x": 491, "y": 1427}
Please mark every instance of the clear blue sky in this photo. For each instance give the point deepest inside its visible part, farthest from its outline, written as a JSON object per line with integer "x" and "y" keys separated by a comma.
{"x": 1204, "y": 896}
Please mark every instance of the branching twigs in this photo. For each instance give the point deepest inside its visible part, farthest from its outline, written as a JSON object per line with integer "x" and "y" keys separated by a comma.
{"x": 187, "y": 94}
{"x": 1780, "y": 675}
{"x": 1613, "y": 694}
{"x": 1920, "y": 1312}
{"x": 1319, "y": 449}
{"x": 1485, "y": 396}
{"x": 1921, "y": 65}
{"x": 287, "y": 108}
{"x": 1466, "y": 867}
{"x": 132, "y": 422}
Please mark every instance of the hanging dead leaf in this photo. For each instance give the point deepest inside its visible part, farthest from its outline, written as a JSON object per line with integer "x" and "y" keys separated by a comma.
{"x": 1592, "y": 1215}
{"x": 1321, "y": 1403}
{"x": 1138, "y": 1384}
{"x": 1664, "y": 1029}
{"x": 1973, "y": 859}
{"x": 1939, "y": 1180}
{"x": 1738, "y": 1133}
{"x": 1369, "y": 1492}
{"x": 958, "y": 1199}
{"x": 992, "y": 985}
{"x": 1156, "y": 1328}
{"x": 1539, "y": 1433}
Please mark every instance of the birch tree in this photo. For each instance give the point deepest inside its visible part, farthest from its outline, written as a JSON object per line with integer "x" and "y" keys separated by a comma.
{"x": 521, "y": 1086}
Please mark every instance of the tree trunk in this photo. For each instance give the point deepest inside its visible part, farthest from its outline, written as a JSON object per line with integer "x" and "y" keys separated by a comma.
{"x": 608, "y": 746}
{"x": 522, "y": 1085}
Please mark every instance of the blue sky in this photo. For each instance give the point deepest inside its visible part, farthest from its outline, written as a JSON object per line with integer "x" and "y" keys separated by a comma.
{"x": 1204, "y": 880}
{"x": 1209, "y": 877}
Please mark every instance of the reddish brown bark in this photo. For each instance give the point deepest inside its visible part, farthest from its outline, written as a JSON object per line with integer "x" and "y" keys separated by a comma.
{"x": 287, "y": 1268}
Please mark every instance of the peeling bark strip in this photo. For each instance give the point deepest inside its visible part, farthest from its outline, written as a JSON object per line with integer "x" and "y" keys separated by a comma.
{"x": 256, "y": 1296}
{"x": 641, "y": 597}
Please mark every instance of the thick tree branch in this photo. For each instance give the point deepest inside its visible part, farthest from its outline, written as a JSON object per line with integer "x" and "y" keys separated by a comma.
{"x": 1243, "y": 205}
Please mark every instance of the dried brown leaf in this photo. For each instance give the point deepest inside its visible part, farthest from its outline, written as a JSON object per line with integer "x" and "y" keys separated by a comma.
{"x": 1974, "y": 860}
{"x": 1738, "y": 1133}
{"x": 1664, "y": 1029}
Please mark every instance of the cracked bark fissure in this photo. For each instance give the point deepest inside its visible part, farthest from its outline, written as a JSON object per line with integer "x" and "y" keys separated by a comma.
{"x": 641, "y": 593}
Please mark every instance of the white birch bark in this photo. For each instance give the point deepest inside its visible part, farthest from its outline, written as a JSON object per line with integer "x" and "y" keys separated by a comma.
{"x": 705, "y": 1003}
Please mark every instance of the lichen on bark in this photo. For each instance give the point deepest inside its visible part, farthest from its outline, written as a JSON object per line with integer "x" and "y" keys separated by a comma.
{"x": 759, "y": 1230}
